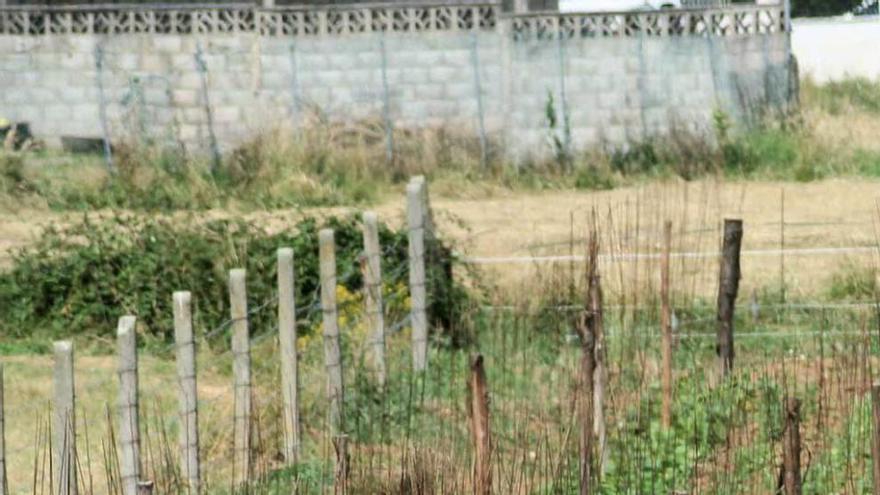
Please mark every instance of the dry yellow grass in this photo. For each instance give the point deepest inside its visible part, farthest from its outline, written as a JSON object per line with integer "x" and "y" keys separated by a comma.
{"x": 828, "y": 213}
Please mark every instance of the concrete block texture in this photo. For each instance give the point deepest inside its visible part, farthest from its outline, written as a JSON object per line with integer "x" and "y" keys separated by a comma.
{"x": 613, "y": 90}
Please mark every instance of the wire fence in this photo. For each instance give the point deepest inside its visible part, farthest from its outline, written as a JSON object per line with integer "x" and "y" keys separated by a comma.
{"x": 415, "y": 430}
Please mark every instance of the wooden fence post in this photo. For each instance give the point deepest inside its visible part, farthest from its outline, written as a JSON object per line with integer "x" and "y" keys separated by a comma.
{"x": 129, "y": 430}
{"x": 478, "y": 408}
{"x": 585, "y": 404}
{"x": 333, "y": 354}
{"x": 4, "y": 483}
{"x": 372, "y": 270}
{"x": 289, "y": 358}
{"x": 597, "y": 330}
{"x": 666, "y": 326}
{"x": 418, "y": 314}
{"x": 875, "y": 436}
{"x": 187, "y": 388}
{"x": 64, "y": 421}
{"x": 791, "y": 448}
{"x": 241, "y": 366}
{"x": 727, "y": 289}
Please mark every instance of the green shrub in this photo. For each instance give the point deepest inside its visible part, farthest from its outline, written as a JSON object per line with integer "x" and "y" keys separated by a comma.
{"x": 12, "y": 177}
{"x": 853, "y": 282}
{"x": 592, "y": 177}
{"x": 79, "y": 279}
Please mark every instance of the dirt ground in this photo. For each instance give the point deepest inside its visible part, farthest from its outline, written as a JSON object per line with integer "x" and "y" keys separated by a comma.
{"x": 503, "y": 224}
{"x": 832, "y": 213}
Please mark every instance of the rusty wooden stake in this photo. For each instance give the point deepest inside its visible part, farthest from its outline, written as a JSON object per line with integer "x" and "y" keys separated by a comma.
{"x": 590, "y": 329}
{"x": 666, "y": 326}
{"x": 727, "y": 289}
{"x": 875, "y": 436}
{"x": 585, "y": 402}
{"x": 791, "y": 448}
{"x": 478, "y": 407}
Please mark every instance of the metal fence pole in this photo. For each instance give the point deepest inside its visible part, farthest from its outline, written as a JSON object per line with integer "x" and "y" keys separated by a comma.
{"x": 563, "y": 99}
{"x": 478, "y": 93}
{"x": 202, "y": 67}
{"x": 296, "y": 113}
{"x": 102, "y": 107}
{"x": 386, "y": 102}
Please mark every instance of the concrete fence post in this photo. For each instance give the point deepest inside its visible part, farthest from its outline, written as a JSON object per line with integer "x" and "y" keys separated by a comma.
{"x": 289, "y": 359}
{"x": 241, "y": 368}
{"x": 64, "y": 457}
{"x": 427, "y": 214}
{"x": 187, "y": 389}
{"x": 372, "y": 270}
{"x": 418, "y": 302}
{"x": 333, "y": 353}
{"x": 129, "y": 430}
{"x": 4, "y": 483}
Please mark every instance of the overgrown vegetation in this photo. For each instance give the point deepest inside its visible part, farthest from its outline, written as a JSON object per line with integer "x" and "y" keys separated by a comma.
{"x": 80, "y": 278}
{"x": 328, "y": 164}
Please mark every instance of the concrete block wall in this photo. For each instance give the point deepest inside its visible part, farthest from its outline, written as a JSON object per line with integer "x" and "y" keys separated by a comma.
{"x": 612, "y": 91}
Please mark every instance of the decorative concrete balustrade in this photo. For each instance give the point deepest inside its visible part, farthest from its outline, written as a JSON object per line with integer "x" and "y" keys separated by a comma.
{"x": 210, "y": 77}
{"x": 330, "y": 21}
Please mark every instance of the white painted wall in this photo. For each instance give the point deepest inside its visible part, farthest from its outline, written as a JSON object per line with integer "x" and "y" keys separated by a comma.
{"x": 833, "y": 48}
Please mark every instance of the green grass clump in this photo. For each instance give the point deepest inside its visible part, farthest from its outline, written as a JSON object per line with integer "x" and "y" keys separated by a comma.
{"x": 79, "y": 279}
{"x": 853, "y": 282}
{"x": 841, "y": 97}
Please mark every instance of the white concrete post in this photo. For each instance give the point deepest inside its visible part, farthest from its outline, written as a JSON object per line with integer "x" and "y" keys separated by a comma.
{"x": 372, "y": 270}
{"x": 418, "y": 315}
{"x": 289, "y": 365}
{"x": 187, "y": 388}
{"x": 129, "y": 432}
{"x": 4, "y": 484}
{"x": 333, "y": 357}
{"x": 241, "y": 368}
{"x": 64, "y": 457}
{"x": 426, "y": 205}
{"x": 332, "y": 352}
